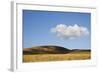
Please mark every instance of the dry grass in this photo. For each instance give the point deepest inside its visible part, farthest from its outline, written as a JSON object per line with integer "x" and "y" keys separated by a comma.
{"x": 57, "y": 57}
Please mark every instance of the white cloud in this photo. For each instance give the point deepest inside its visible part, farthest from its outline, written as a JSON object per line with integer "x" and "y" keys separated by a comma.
{"x": 69, "y": 32}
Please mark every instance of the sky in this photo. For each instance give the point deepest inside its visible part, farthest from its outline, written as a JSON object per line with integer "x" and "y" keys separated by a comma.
{"x": 71, "y": 30}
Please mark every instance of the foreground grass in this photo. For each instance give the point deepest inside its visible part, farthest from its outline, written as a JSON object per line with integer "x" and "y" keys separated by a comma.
{"x": 57, "y": 57}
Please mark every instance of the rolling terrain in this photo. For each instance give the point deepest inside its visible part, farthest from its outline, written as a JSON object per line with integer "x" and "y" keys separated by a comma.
{"x": 54, "y": 53}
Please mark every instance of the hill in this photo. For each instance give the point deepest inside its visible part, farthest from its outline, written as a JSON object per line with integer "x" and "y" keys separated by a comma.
{"x": 46, "y": 50}
{"x": 54, "y": 53}
{"x": 51, "y": 50}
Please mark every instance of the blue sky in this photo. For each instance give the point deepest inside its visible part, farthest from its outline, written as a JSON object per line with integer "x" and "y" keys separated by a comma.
{"x": 37, "y": 26}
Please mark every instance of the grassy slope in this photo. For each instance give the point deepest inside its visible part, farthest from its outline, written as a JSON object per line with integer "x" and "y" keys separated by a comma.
{"x": 54, "y": 53}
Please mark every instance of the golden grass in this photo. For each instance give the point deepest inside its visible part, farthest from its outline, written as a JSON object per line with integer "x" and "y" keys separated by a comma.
{"x": 57, "y": 57}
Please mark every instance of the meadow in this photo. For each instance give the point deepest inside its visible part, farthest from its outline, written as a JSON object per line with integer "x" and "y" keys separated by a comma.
{"x": 75, "y": 55}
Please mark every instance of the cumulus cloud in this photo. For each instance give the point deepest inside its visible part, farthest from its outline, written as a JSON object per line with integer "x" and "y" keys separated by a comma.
{"x": 69, "y": 32}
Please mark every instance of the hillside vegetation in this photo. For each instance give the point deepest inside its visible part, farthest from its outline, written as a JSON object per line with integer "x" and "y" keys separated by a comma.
{"x": 53, "y": 53}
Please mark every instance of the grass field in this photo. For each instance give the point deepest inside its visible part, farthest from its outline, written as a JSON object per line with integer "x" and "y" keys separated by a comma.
{"x": 75, "y": 55}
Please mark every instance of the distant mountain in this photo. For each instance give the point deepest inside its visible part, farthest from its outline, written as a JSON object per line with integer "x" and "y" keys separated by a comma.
{"x": 46, "y": 50}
